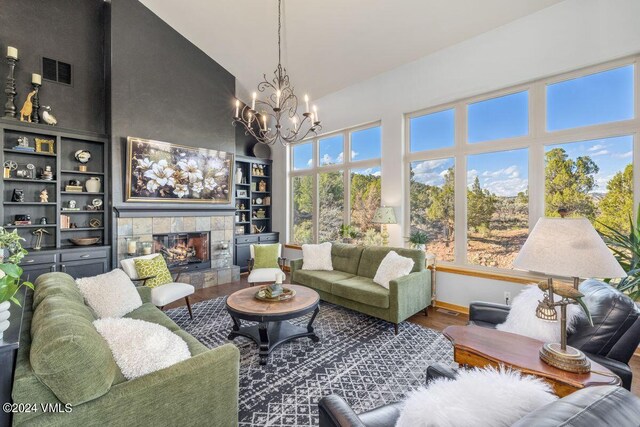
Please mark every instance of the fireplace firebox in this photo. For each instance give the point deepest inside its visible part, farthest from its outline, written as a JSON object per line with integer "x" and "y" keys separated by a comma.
{"x": 190, "y": 250}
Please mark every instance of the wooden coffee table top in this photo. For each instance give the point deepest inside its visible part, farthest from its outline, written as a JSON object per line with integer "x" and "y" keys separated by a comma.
{"x": 244, "y": 301}
{"x": 478, "y": 346}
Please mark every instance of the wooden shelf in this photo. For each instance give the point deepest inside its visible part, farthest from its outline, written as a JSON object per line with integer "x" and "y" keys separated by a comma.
{"x": 81, "y": 192}
{"x": 32, "y": 226}
{"x": 28, "y": 153}
{"x": 80, "y": 212}
{"x": 30, "y": 203}
{"x": 82, "y": 173}
{"x": 34, "y": 181}
{"x": 82, "y": 229}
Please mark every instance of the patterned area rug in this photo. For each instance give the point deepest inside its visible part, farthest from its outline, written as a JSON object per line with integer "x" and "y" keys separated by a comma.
{"x": 358, "y": 358}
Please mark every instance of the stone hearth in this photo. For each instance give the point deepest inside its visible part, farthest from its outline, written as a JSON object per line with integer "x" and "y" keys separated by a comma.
{"x": 220, "y": 228}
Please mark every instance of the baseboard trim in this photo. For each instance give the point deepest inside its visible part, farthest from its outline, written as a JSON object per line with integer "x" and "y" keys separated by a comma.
{"x": 453, "y": 307}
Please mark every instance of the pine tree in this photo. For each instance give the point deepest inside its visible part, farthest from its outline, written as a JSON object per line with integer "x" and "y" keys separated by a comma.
{"x": 617, "y": 204}
{"x": 442, "y": 207}
{"x": 569, "y": 183}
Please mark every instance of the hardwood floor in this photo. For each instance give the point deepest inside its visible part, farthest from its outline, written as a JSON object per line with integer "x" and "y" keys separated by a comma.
{"x": 437, "y": 319}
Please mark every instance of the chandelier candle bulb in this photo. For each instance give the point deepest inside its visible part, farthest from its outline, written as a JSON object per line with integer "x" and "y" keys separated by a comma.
{"x": 306, "y": 101}
{"x": 36, "y": 79}
{"x": 295, "y": 123}
{"x": 253, "y": 101}
{"x": 264, "y": 121}
{"x": 278, "y": 93}
{"x": 315, "y": 114}
{"x": 237, "y": 108}
{"x": 12, "y": 52}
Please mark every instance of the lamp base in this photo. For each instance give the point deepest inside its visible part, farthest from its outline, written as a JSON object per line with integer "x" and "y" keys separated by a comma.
{"x": 572, "y": 360}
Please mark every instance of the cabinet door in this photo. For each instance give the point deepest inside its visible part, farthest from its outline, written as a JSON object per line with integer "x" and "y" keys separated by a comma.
{"x": 78, "y": 269}
{"x": 31, "y": 273}
{"x": 243, "y": 254}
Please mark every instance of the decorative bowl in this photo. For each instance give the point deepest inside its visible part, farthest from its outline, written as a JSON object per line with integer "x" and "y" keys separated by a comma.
{"x": 286, "y": 294}
{"x": 85, "y": 241}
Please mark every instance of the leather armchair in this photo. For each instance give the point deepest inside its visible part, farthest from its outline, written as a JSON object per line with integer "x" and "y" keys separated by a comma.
{"x": 592, "y": 406}
{"x": 611, "y": 340}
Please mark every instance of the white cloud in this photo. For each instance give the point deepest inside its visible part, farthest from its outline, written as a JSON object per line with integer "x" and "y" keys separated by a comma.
{"x": 600, "y": 153}
{"x": 601, "y": 182}
{"x": 510, "y": 172}
{"x": 471, "y": 176}
{"x": 310, "y": 162}
{"x": 507, "y": 187}
{"x": 626, "y": 155}
{"x": 597, "y": 147}
{"x": 354, "y": 154}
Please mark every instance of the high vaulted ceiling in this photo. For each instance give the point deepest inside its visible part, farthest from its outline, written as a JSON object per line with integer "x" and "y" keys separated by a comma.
{"x": 331, "y": 44}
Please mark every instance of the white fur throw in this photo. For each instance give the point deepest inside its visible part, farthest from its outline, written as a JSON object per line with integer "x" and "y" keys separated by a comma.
{"x": 317, "y": 257}
{"x": 392, "y": 267}
{"x": 112, "y": 294}
{"x": 140, "y": 347}
{"x": 477, "y": 398}
{"x": 522, "y": 318}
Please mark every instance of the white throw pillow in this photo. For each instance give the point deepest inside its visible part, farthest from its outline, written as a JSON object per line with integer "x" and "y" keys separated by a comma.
{"x": 111, "y": 294}
{"x": 522, "y": 318}
{"x": 392, "y": 267}
{"x": 317, "y": 257}
{"x": 140, "y": 347}
{"x": 478, "y": 397}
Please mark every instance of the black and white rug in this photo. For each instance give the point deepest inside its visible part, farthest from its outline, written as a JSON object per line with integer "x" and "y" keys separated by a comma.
{"x": 358, "y": 357}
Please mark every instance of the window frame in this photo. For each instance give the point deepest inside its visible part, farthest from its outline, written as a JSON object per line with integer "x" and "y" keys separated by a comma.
{"x": 535, "y": 142}
{"x": 346, "y": 166}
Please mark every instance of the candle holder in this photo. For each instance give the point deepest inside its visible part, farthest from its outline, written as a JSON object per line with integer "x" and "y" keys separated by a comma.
{"x": 35, "y": 100}
{"x": 10, "y": 89}
{"x": 132, "y": 245}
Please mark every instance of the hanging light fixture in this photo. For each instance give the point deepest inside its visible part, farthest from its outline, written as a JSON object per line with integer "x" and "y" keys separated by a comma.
{"x": 274, "y": 117}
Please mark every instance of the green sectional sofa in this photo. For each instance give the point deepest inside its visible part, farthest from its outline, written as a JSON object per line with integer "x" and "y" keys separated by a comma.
{"x": 63, "y": 360}
{"x": 351, "y": 284}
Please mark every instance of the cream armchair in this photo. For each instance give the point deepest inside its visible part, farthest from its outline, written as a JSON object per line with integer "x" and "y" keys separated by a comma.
{"x": 164, "y": 294}
{"x": 258, "y": 275}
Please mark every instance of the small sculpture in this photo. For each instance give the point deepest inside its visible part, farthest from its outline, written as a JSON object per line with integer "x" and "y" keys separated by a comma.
{"x": 23, "y": 142}
{"x": 43, "y": 220}
{"x": 44, "y": 196}
{"x": 39, "y": 232}
{"x": 71, "y": 204}
{"x": 262, "y": 185}
{"x": 18, "y": 196}
{"x": 48, "y": 117}
{"x": 27, "y": 108}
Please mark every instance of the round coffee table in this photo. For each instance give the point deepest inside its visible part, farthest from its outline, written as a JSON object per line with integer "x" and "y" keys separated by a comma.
{"x": 272, "y": 328}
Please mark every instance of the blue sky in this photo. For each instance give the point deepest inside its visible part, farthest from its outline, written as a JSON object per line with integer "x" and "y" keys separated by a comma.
{"x": 593, "y": 99}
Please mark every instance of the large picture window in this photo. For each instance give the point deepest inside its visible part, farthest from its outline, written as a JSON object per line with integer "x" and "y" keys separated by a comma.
{"x": 483, "y": 170}
{"x": 343, "y": 184}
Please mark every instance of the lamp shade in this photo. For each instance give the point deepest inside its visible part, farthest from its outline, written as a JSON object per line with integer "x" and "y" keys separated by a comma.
{"x": 384, "y": 215}
{"x": 567, "y": 247}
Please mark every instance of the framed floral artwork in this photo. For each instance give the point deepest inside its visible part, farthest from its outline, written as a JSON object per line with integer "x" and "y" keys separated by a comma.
{"x": 164, "y": 172}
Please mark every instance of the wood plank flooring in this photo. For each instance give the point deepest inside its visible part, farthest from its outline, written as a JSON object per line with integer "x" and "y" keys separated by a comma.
{"x": 437, "y": 319}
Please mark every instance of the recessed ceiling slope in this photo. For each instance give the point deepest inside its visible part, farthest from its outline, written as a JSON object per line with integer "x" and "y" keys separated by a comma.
{"x": 331, "y": 44}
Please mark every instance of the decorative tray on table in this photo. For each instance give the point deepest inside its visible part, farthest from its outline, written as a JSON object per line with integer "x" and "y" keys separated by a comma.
{"x": 286, "y": 294}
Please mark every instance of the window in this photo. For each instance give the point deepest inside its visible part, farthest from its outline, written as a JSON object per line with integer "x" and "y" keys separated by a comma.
{"x": 431, "y": 131}
{"x": 499, "y": 118}
{"x": 332, "y": 150}
{"x": 345, "y": 191}
{"x": 432, "y": 204}
{"x": 592, "y": 179}
{"x": 302, "y": 191}
{"x": 497, "y": 207}
{"x": 590, "y": 100}
{"x": 483, "y": 170}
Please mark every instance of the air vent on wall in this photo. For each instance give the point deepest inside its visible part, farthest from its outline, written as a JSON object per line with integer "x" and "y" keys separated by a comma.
{"x": 56, "y": 71}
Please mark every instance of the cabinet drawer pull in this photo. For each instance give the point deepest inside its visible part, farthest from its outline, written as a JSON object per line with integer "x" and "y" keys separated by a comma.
{"x": 85, "y": 256}
{"x": 29, "y": 261}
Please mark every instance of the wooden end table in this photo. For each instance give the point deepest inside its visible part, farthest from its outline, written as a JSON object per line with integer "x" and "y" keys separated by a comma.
{"x": 478, "y": 346}
{"x": 272, "y": 328}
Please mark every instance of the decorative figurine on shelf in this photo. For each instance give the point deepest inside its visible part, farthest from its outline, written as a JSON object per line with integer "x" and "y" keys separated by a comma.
{"x": 27, "y": 108}
{"x": 95, "y": 223}
{"x": 262, "y": 185}
{"x": 39, "y": 233}
{"x": 9, "y": 166}
{"x": 18, "y": 196}
{"x": 43, "y": 221}
{"x": 71, "y": 204}
{"x": 239, "y": 175}
{"x": 83, "y": 156}
{"x": 23, "y": 142}
{"x": 258, "y": 230}
{"x": 44, "y": 196}
{"x": 243, "y": 218}
{"x": 48, "y": 117}
{"x": 241, "y": 206}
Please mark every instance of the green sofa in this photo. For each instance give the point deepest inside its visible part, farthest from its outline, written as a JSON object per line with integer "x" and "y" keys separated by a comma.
{"x": 351, "y": 284}
{"x": 63, "y": 360}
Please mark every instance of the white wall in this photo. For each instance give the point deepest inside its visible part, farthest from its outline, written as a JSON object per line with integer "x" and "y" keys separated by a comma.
{"x": 564, "y": 37}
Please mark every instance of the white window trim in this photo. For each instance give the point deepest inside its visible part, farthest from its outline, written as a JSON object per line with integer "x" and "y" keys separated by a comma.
{"x": 535, "y": 142}
{"x": 345, "y": 167}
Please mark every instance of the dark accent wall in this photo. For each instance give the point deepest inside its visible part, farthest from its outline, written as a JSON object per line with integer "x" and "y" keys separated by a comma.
{"x": 162, "y": 88}
{"x": 68, "y": 30}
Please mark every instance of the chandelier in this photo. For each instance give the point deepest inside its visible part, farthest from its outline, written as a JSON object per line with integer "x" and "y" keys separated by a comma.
{"x": 275, "y": 116}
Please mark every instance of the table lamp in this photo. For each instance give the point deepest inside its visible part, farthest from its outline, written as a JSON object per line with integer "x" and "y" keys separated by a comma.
{"x": 384, "y": 215}
{"x": 565, "y": 247}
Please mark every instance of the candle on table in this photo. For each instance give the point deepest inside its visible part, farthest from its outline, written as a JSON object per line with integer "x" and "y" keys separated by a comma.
{"x": 132, "y": 247}
{"x": 12, "y": 52}
{"x": 36, "y": 79}
{"x": 146, "y": 250}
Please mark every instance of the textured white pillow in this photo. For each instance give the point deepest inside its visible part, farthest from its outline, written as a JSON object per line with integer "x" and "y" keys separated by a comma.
{"x": 111, "y": 294}
{"x": 140, "y": 347}
{"x": 522, "y": 318}
{"x": 392, "y": 267}
{"x": 478, "y": 397}
{"x": 317, "y": 257}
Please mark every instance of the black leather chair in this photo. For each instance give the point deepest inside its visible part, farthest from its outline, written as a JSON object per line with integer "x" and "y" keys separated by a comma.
{"x": 611, "y": 340}
{"x": 589, "y": 407}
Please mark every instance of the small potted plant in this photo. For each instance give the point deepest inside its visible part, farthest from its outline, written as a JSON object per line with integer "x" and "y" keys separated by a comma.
{"x": 10, "y": 273}
{"x": 418, "y": 240}
{"x": 348, "y": 233}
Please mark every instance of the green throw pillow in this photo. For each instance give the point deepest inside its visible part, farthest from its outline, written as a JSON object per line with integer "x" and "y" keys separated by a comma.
{"x": 155, "y": 266}
{"x": 266, "y": 256}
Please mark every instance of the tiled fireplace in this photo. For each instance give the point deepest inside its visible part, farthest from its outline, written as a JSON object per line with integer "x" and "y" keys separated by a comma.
{"x": 201, "y": 244}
